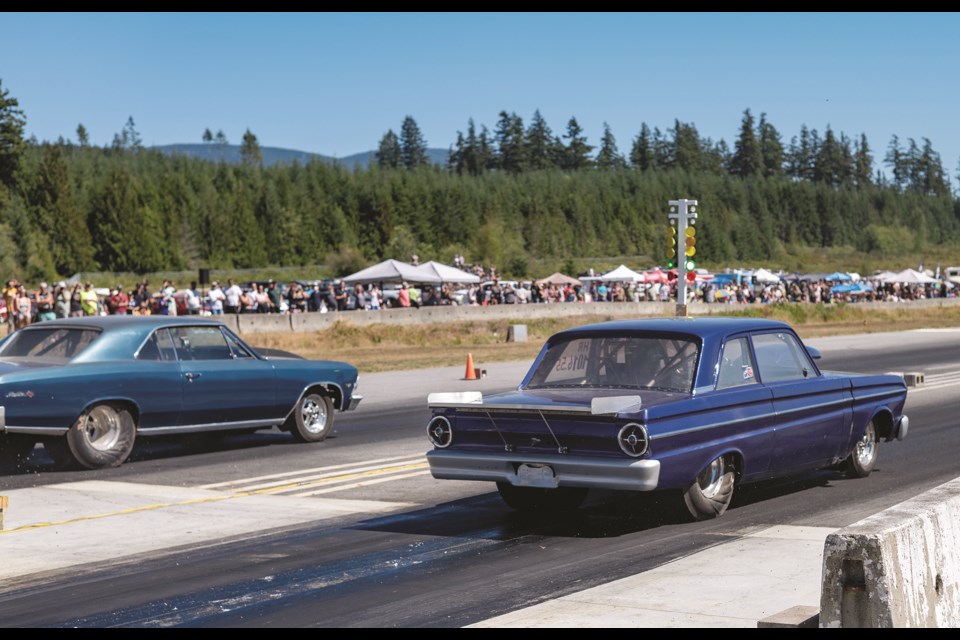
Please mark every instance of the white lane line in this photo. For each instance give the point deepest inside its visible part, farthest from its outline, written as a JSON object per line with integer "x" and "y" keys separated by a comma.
{"x": 289, "y": 474}
{"x": 358, "y": 485}
{"x": 297, "y": 484}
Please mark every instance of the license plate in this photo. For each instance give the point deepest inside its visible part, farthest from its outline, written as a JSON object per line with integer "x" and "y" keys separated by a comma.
{"x": 536, "y": 475}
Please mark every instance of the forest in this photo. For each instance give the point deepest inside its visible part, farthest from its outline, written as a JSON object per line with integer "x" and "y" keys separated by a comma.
{"x": 514, "y": 196}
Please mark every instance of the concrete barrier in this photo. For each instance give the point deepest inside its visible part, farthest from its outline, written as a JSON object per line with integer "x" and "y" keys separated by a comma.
{"x": 259, "y": 323}
{"x": 897, "y": 568}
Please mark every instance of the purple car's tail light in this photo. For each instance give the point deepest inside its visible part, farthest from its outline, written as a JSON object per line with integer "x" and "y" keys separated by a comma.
{"x": 440, "y": 432}
{"x": 633, "y": 439}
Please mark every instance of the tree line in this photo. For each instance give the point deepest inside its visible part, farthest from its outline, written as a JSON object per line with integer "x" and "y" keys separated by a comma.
{"x": 68, "y": 207}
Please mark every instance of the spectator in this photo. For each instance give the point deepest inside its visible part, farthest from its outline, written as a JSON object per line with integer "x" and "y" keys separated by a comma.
{"x": 232, "y": 295}
{"x": 217, "y": 298}
{"x": 403, "y": 296}
{"x": 118, "y": 301}
{"x": 45, "y": 303}
{"x": 76, "y": 301}
{"x": 10, "y": 294}
{"x": 168, "y": 303}
{"x": 61, "y": 300}
{"x": 296, "y": 298}
{"x": 263, "y": 300}
{"x": 248, "y": 300}
{"x": 414, "y": 297}
{"x": 24, "y": 306}
{"x": 89, "y": 301}
{"x": 273, "y": 293}
{"x": 330, "y": 298}
{"x": 375, "y": 297}
{"x": 343, "y": 296}
{"x": 191, "y": 298}
{"x": 359, "y": 298}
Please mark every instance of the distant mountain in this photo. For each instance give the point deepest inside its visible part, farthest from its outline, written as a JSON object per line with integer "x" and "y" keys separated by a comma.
{"x": 273, "y": 155}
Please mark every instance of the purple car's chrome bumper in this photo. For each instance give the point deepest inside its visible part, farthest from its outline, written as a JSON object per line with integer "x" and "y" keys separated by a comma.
{"x": 567, "y": 471}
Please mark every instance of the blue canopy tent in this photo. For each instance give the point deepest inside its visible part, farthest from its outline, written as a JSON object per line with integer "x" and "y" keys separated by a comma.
{"x": 851, "y": 287}
{"x": 836, "y": 276}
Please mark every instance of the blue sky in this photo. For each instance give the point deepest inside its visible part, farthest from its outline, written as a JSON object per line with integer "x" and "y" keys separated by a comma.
{"x": 334, "y": 83}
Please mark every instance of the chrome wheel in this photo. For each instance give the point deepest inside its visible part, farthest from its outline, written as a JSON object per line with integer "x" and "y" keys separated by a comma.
{"x": 710, "y": 479}
{"x": 711, "y": 492}
{"x": 313, "y": 418}
{"x": 313, "y": 414}
{"x": 101, "y": 437}
{"x": 101, "y": 428}
{"x": 863, "y": 458}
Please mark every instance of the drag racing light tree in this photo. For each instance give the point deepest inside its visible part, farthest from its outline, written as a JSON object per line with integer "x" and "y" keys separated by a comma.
{"x": 683, "y": 216}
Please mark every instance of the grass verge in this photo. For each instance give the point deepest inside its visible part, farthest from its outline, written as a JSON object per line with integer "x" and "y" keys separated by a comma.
{"x": 391, "y": 347}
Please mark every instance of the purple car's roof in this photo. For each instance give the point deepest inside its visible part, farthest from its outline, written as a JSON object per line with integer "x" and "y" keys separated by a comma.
{"x": 707, "y": 328}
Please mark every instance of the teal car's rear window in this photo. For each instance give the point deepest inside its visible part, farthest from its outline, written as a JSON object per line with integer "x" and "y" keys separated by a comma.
{"x": 53, "y": 343}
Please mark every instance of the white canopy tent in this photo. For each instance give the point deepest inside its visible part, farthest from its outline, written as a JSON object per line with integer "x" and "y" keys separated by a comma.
{"x": 764, "y": 275}
{"x": 446, "y": 273}
{"x": 622, "y": 274}
{"x": 393, "y": 271}
{"x": 910, "y": 276}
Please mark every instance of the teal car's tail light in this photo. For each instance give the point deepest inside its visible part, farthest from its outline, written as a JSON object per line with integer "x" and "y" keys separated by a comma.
{"x": 633, "y": 439}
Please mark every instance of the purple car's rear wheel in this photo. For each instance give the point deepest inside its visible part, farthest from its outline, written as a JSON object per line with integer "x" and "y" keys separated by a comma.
{"x": 864, "y": 457}
{"x": 313, "y": 418}
{"x": 709, "y": 495}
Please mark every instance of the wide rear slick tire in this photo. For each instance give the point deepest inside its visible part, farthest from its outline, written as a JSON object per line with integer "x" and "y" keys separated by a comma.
{"x": 312, "y": 419}
{"x": 535, "y": 499}
{"x": 709, "y": 495}
{"x": 102, "y": 437}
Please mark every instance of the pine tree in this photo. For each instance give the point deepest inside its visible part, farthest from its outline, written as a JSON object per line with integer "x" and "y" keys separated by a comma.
{"x": 687, "y": 154}
{"x": 771, "y": 148}
{"x": 511, "y": 150}
{"x": 389, "y": 154}
{"x": 12, "y": 145}
{"x": 896, "y": 161}
{"x": 747, "y": 158}
{"x": 863, "y": 164}
{"x": 250, "y": 152}
{"x": 641, "y": 153}
{"x": 83, "y": 138}
{"x": 577, "y": 154}
{"x": 58, "y": 215}
{"x": 539, "y": 143}
{"x": 413, "y": 147}
{"x": 207, "y": 136}
{"x": 609, "y": 157}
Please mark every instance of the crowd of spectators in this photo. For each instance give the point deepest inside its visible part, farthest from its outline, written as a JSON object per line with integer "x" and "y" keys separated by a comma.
{"x": 22, "y": 306}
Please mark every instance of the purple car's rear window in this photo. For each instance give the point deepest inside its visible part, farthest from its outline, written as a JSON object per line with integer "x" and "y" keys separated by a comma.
{"x": 58, "y": 343}
{"x": 623, "y": 362}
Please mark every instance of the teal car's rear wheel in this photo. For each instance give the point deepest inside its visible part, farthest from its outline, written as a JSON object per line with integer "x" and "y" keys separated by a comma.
{"x": 102, "y": 437}
{"x": 709, "y": 495}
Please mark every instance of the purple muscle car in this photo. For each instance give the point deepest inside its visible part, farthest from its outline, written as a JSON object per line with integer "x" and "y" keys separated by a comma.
{"x": 698, "y": 405}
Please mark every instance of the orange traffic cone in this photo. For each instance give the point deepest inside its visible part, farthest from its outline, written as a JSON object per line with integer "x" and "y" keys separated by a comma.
{"x": 471, "y": 372}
